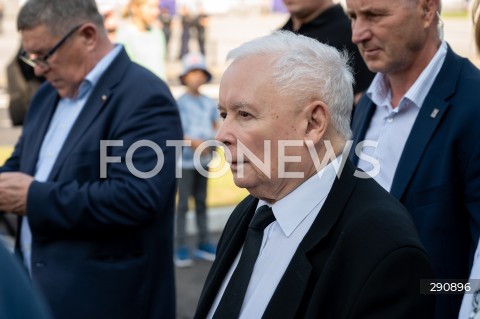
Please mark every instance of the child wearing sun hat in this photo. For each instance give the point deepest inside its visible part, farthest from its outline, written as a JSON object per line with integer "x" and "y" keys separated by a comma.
{"x": 199, "y": 116}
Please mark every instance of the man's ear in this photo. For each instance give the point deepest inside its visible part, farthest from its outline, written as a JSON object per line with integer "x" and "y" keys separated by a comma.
{"x": 89, "y": 34}
{"x": 430, "y": 9}
{"x": 318, "y": 121}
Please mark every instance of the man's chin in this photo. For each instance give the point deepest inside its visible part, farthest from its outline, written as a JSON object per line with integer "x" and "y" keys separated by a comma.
{"x": 243, "y": 181}
{"x": 66, "y": 94}
{"x": 240, "y": 182}
{"x": 62, "y": 92}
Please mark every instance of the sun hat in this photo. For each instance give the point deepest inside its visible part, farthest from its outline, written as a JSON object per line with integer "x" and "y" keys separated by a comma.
{"x": 191, "y": 62}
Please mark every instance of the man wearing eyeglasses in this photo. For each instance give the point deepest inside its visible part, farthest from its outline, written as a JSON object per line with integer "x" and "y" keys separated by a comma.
{"x": 95, "y": 235}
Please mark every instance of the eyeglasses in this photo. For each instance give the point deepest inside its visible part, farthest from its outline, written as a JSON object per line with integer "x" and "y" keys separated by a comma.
{"x": 33, "y": 60}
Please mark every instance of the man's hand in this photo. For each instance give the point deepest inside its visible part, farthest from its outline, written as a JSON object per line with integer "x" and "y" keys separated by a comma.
{"x": 13, "y": 192}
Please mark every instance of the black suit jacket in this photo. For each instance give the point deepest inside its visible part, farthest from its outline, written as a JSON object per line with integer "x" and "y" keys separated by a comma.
{"x": 360, "y": 259}
{"x": 102, "y": 247}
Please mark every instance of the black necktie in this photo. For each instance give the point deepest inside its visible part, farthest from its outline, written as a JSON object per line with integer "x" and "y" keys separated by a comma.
{"x": 232, "y": 299}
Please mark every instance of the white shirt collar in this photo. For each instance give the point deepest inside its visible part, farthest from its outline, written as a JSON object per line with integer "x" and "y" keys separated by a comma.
{"x": 291, "y": 210}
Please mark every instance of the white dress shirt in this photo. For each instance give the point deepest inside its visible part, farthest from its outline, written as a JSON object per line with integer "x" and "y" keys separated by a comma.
{"x": 63, "y": 119}
{"x": 390, "y": 127}
{"x": 294, "y": 216}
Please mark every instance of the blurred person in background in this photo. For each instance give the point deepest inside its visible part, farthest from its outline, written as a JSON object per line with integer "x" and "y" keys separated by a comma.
{"x": 470, "y": 308}
{"x": 194, "y": 19}
{"x": 95, "y": 234}
{"x": 327, "y": 22}
{"x": 199, "y": 116}
{"x": 108, "y": 10}
{"x": 166, "y": 18}
{"x": 142, "y": 36}
{"x": 18, "y": 297}
{"x": 22, "y": 84}
{"x": 2, "y": 13}
{"x": 421, "y": 114}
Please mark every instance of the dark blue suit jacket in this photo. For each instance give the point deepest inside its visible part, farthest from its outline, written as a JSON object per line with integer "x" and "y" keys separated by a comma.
{"x": 102, "y": 247}
{"x": 18, "y": 299}
{"x": 438, "y": 176}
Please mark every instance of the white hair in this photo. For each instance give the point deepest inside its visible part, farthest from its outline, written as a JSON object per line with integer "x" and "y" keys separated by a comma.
{"x": 308, "y": 69}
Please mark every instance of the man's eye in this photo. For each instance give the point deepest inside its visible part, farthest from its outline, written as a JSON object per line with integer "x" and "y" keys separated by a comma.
{"x": 243, "y": 114}
{"x": 372, "y": 16}
{"x": 223, "y": 115}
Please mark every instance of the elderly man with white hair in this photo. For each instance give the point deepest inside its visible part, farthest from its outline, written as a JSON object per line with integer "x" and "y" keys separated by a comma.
{"x": 312, "y": 240}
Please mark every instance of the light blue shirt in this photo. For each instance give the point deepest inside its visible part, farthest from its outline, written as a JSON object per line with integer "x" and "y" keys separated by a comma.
{"x": 63, "y": 119}
{"x": 199, "y": 115}
{"x": 294, "y": 215}
{"x": 390, "y": 127}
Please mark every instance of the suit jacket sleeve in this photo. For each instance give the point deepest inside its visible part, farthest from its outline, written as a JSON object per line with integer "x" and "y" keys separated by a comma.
{"x": 472, "y": 186}
{"x": 385, "y": 285}
{"x": 78, "y": 199}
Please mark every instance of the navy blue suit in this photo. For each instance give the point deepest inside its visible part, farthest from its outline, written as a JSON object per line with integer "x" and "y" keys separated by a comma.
{"x": 438, "y": 176}
{"x": 102, "y": 247}
{"x": 18, "y": 299}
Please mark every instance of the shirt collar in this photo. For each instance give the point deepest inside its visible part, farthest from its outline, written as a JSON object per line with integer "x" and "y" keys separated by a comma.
{"x": 291, "y": 210}
{"x": 380, "y": 92}
{"x": 94, "y": 75}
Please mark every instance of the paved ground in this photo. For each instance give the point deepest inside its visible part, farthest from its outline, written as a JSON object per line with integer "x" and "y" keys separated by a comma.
{"x": 190, "y": 283}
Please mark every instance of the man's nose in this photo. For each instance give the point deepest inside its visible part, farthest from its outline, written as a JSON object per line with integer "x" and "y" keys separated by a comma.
{"x": 40, "y": 70}
{"x": 224, "y": 134}
{"x": 360, "y": 31}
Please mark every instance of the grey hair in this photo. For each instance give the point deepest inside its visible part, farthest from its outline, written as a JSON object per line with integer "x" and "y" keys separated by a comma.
{"x": 308, "y": 69}
{"x": 413, "y": 3}
{"x": 59, "y": 16}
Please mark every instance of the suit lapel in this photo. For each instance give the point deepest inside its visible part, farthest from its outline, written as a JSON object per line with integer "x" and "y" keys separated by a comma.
{"x": 97, "y": 101}
{"x": 420, "y": 135}
{"x": 332, "y": 208}
{"x": 88, "y": 114}
{"x": 40, "y": 125}
{"x": 291, "y": 289}
{"x": 289, "y": 294}
{"x": 433, "y": 109}
{"x": 365, "y": 110}
{"x": 233, "y": 241}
